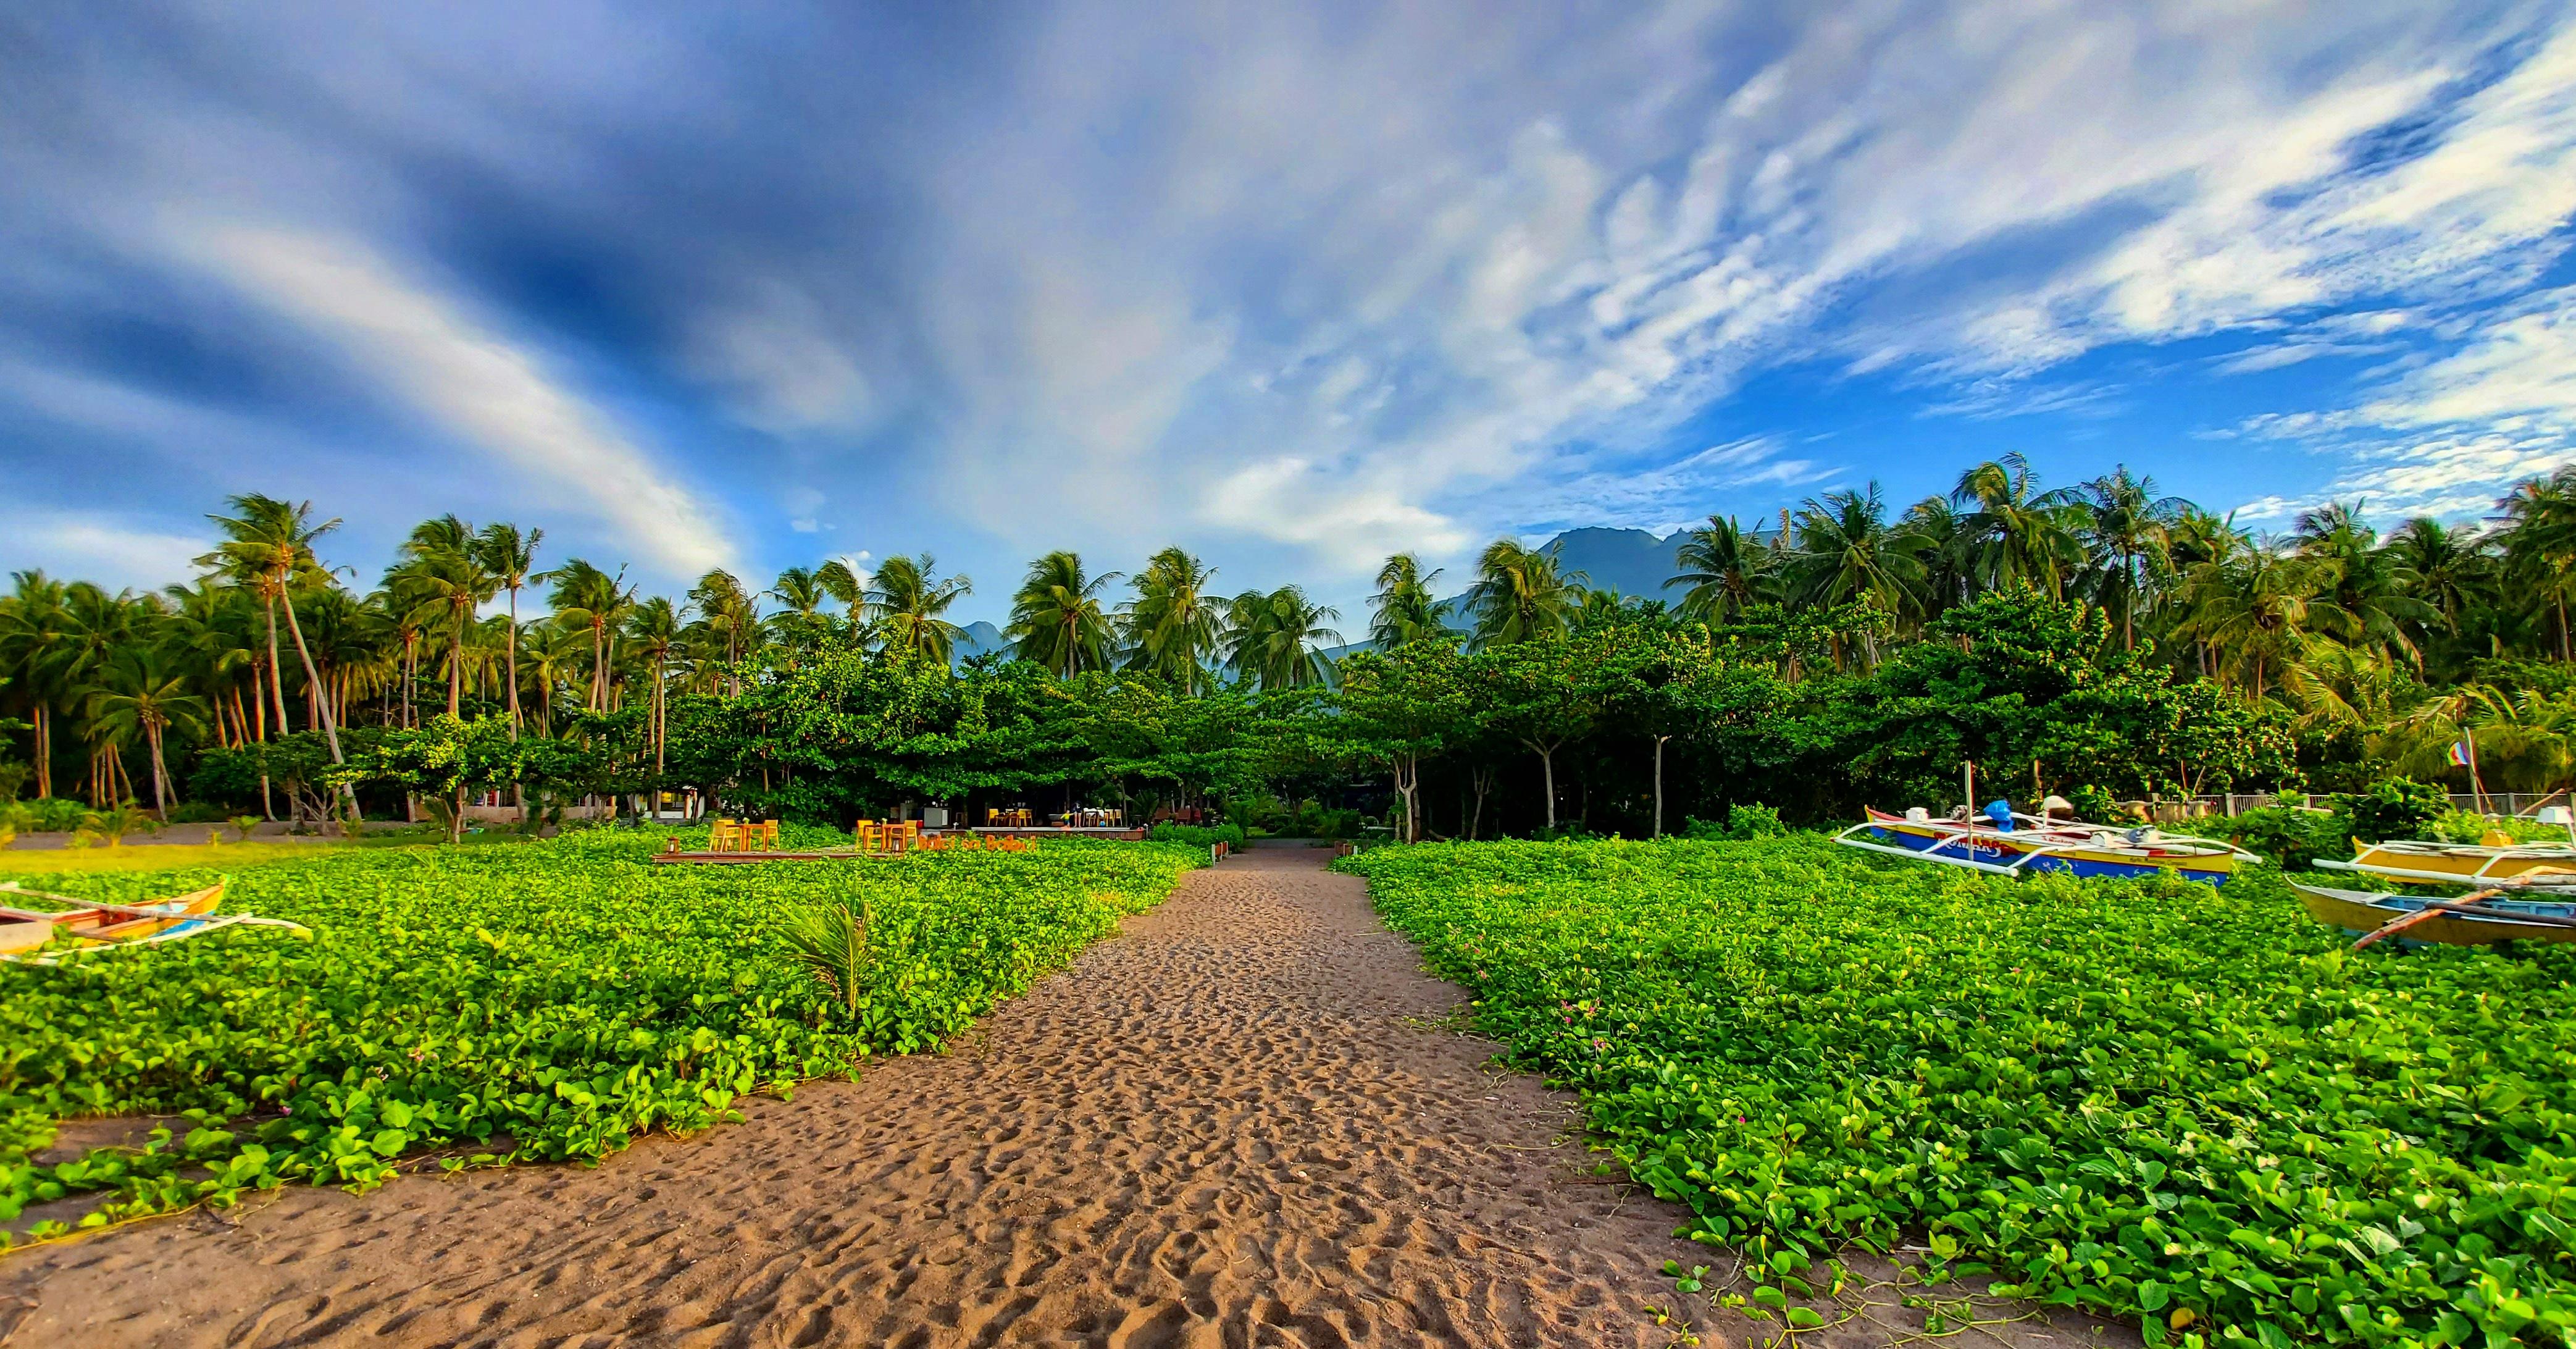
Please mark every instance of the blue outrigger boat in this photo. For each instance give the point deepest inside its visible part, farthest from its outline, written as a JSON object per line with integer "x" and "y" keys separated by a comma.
{"x": 2006, "y": 842}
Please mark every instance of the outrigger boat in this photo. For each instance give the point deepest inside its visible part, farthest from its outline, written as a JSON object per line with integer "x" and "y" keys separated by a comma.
{"x": 2007, "y": 842}
{"x": 92, "y": 925}
{"x": 2521, "y": 912}
{"x": 2460, "y": 863}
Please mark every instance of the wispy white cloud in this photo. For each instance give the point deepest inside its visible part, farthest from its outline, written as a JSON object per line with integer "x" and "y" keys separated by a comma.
{"x": 775, "y": 349}
{"x": 2450, "y": 436}
{"x": 490, "y": 392}
{"x": 1274, "y": 280}
{"x": 111, "y": 550}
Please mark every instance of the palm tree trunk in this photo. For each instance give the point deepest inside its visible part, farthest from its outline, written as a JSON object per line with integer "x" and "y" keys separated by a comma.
{"x": 330, "y": 724}
{"x": 514, "y": 662}
{"x": 44, "y": 752}
{"x": 661, "y": 729}
{"x": 1659, "y": 785}
{"x": 277, "y": 686}
{"x": 456, "y": 669}
{"x": 1547, "y": 771}
{"x": 160, "y": 772}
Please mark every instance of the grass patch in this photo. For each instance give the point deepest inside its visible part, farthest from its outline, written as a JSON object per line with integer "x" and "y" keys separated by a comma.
{"x": 548, "y": 1001}
{"x": 2189, "y": 1107}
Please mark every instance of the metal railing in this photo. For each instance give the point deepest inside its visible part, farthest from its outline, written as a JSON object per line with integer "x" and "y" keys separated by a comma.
{"x": 2237, "y": 803}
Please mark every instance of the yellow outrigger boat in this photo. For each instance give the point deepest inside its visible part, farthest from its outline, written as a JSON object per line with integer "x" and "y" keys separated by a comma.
{"x": 2497, "y": 859}
{"x": 2499, "y": 913}
{"x": 34, "y": 936}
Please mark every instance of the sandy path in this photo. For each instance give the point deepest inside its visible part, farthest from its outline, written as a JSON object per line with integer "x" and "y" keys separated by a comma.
{"x": 1234, "y": 1125}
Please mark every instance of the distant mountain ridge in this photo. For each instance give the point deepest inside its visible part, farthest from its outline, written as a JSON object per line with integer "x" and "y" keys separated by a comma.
{"x": 979, "y": 639}
{"x": 1631, "y": 561}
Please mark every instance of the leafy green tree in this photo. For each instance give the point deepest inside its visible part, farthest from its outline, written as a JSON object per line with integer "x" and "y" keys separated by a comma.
{"x": 451, "y": 758}
{"x": 1541, "y": 694}
{"x": 1401, "y": 706}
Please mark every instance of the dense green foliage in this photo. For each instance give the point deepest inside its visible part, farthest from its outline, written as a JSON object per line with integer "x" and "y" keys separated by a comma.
{"x": 548, "y": 1001}
{"x": 2097, "y": 641}
{"x": 2190, "y": 1107}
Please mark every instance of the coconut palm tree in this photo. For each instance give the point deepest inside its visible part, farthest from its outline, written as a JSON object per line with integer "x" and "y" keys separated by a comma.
{"x": 843, "y": 582}
{"x": 268, "y": 544}
{"x": 1521, "y": 594}
{"x": 2023, "y": 535}
{"x": 1271, "y": 639}
{"x": 1949, "y": 553}
{"x": 1172, "y": 626}
{"x": 2363, "y": 592}
{"x": 1056, "y": 618}
{"x": 1846, "y": 551}
{"x": 2124, "y": 526}
{"x": 1405, "y": 608}
{"x": 2251, "y": 609}
{"x": 730, "y": 614}
{"x": 144, "y": 693}
{"x": 591, "y": 600}
{"x": 440, "y": 583}
{"x": 203, "y": 634}
{"x": 905, "y": 601}
{"x": 1726, "y": 569}
{"x": 35, "y": 633}
{"x": 2539, "y": 537}
{"x": 509, "y": 556}
{"x": 653, "y": 629}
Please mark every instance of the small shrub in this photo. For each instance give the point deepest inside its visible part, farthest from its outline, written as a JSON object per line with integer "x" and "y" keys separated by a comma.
{"x": 832, "y": 941}
{"x": 2396, "y": 808}
{"x": 53, "y": 815}
{"x": 2095, "y": 805}
{"x": 2461, "y": 826}
{"x": 1202, "y": 835}
{"x": 1703, "y": 831}
{"x": 1752, "y": 820}
{"x": 110, "y": 826}
{"x": 2293, "y": 837}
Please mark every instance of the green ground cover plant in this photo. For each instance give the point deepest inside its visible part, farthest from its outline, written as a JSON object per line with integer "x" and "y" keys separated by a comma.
{"x": 477, "y": 1006}
{"x": 2190, "y": 1107}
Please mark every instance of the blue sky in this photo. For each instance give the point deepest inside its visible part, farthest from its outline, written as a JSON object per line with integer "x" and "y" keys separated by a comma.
{"x": 1294, "y": 286}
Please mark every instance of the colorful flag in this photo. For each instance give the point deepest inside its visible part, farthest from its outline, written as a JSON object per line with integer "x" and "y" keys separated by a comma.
{"x": 2460, "y": 753}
